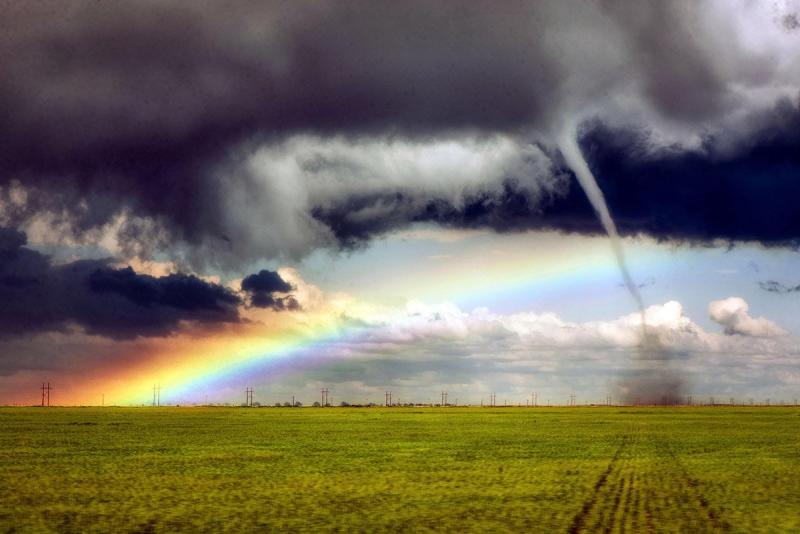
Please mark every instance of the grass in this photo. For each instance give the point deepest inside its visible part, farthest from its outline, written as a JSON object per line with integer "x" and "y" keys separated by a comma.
{"x": 373, "y": 469}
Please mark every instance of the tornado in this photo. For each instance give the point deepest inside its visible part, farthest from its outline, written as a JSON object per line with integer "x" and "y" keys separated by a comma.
{"x": 568, "y": 143}
{"x": 652, "y": 379}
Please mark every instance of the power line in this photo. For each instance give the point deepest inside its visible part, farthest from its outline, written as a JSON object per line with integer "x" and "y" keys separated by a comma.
{"x": 46, "y": 388}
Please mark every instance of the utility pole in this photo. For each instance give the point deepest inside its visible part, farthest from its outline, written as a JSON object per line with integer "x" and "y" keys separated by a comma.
{"x": 572, "y": 399}
{"x": 158, "y": 399}
{"x": 444, "y": 398}
{"x": 324, "y": 393}
{"x": 44, "y": 388}
{"x": 103, "y": 400}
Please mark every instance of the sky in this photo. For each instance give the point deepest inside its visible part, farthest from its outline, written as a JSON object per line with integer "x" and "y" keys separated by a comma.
{"x": 595, "y": 198}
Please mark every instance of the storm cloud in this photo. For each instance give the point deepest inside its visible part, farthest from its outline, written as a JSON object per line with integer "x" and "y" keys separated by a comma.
{"x": 692, "y": 196}
{"x": 152, "y": 120}
{"x": 265, "y": 288}
{"x": 40, "y": 296}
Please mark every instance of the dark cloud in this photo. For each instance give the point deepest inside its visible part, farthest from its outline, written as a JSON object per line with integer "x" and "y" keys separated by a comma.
{"x": 140, "y": 108}
{"x": 11, "y": 240}
{"x": 179, "y": 291}
{"x": 776, "y": 287}
{"x": 264, "y": 288}
{"x": 691, "y": 90}
{"x": 129, "y": 107}
{"x": 40, "y": 296}
{"x": 265, "y": 281}
{"x": 672, "y": 194}
{"x": 363, "y": 217}
{"x": 749, "y": 195}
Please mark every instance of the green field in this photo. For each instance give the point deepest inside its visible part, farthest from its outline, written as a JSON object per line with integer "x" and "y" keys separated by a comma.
{"x": 375, "y": 469}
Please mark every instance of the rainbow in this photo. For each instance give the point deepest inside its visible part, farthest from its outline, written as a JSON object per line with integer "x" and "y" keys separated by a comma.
{"x": 188, "y": 369}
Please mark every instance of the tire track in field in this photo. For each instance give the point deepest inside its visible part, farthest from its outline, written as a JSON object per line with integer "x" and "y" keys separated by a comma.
{"x": 616, "y": 508}
{"x": 645, "y": 487}
{"x": 630, "y": 503}
{"x": 579, "y": 521}
{"x": 704, "y": 510}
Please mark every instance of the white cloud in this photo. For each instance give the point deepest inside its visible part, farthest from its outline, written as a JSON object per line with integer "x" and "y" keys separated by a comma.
{"x": 420, "y": 349}
{"x": 420, "y": 322}
{"x": 732, "y": 314}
